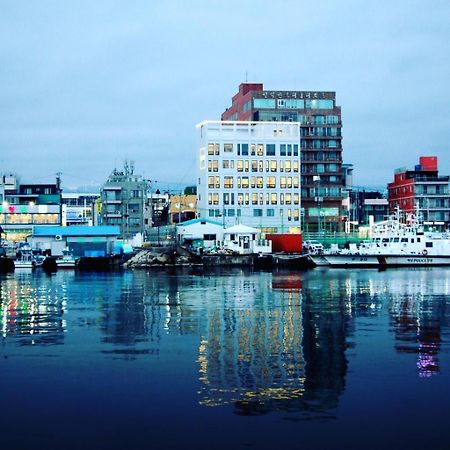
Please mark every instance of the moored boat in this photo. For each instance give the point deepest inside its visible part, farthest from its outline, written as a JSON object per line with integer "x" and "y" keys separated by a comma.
{"x": 395, "y": 244}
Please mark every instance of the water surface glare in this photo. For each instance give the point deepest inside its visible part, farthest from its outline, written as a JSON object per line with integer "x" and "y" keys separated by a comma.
{"x": 324, "y": 359}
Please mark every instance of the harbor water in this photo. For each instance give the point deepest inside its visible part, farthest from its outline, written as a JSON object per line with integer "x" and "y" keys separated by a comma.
{"x": 231, "y": 359}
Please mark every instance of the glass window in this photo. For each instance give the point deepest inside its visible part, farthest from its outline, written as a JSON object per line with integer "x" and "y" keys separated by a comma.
{"x": 270, "y": 149}
{"x": 273, "y": 199}
{"x": 283, "y": 182}
{"x": 244, "y": 149}
{"x": 259, "y": 182}
{"x": 287, "y": 199}
{"x": 283, "y": 150}
{"x": 264, "y": 103}
{"x": 271, "y": 182}
{"x": 295, "y": 149}
{"x": 240, "y": 165}
{"x": 270, "y": 212}
{"x": 332, "y": 120}
{"x": 245, "y": 182}
{"x": 254, "y": 199}
{"x": 227, "y": 148}
{"x": 287, "y": 166}
{"x": 211, "y": 182}
{"x": 254, "y": 165}
{"x": 260, "y": 151}
{"x": 319, "y": 104}
{"x": 257, "y": 212}
{"x": 273, "y": 166}
{"x": 210, "y": 149}
{"x": 228, "y": 182}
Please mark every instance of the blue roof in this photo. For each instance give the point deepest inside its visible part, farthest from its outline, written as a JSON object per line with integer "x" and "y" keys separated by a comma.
{"x": 192, "y": 221}
{"x": 76, "y": 230}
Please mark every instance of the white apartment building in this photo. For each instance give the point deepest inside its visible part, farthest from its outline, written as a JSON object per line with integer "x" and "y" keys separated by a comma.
{"x": 249, "y": 173}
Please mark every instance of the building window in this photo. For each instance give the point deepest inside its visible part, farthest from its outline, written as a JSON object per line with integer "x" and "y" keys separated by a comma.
{"x": 228, "y": 148}
{"x": 273, "y": 166}
{"x": 240, "y": 165}
{"x": 228, "y": 182}
{"x": 273, "y": 199}
{"x": 287, "y": 199}
{"x": 263, "y": 103}
{"x": 270, "y": 149}
{"x": 260, "y": 150}
{"x": 254, "y": 199}
{"x": 244, "y": 182}
{"x": 271, "y": 182}
{"x": 257, "y": 212}
{"x": 254, "y": 165}
{"x": 270, "y": 212}
{"x": 244, "y": 149}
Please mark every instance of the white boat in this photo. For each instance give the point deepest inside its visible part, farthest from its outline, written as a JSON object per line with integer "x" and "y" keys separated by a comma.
{"x": 67, "y": 260}
{"x": 395, "y": 244}
{"x": 27, "y": 260}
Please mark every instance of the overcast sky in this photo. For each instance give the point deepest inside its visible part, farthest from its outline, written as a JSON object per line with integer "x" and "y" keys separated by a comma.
{"x": 86, "y": 84}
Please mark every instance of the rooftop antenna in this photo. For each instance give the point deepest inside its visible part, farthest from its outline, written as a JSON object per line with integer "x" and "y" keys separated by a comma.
{"x": 246, "y": 80}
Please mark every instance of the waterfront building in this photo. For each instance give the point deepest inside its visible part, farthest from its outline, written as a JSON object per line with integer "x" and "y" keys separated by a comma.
{"x": 364, "y": 204}
{"x": 200, "y": 233}
{"x": 123, "y": 201}
{"x": 79, "y": 208}
{"x": 422, "y": 187}
{"x": 27, "y": 204}
{"x": 80, "y": 240}
{"x": 321, "y": 144}
{"x": 249, "y": 173}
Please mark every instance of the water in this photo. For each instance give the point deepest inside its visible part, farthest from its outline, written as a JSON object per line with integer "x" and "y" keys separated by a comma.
{"x": 325, "y": 359}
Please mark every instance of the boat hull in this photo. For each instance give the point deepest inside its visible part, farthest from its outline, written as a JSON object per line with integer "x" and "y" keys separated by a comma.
{"x": 381, "y": 261}
{"x": 352, "y": 260}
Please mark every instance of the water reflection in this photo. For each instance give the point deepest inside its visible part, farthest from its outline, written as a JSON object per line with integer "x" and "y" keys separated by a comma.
{"x": 276, "y": 351}
{"x": 32, "y": 313}
{"x": 261, "y": 342}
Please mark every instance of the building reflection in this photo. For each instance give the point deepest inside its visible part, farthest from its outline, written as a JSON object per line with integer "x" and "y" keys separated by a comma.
{"x": 31, "y": 314}
{"x": 275, "y": 349}
{"x": 416, "y": 302}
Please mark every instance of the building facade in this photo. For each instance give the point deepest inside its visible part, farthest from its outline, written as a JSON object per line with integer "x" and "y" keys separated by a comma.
{"x": 79, "y": 208}
{"x": 123, "y": 202}
{"x": 26, "y": 205}
{"x": 422, "y": 187}
{"x": 249, "y": 173}
{"x": 320, "y": 122}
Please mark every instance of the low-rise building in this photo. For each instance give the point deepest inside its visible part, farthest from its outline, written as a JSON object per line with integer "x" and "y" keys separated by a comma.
{"x": 81, "y": 240}
{"x": 27, "y": 204}
{"x": 424, "y": 188}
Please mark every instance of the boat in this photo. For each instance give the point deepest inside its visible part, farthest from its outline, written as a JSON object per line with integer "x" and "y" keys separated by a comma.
{"x": 395, "y": 244}
{"x": 67, "y": 260}
{"x": 27, "y": 260}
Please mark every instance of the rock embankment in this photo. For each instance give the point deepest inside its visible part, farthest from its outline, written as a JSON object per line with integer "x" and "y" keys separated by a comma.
{"x": 156, "y": 257}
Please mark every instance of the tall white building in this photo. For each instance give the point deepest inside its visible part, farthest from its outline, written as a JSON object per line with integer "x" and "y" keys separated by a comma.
{"x": 249, "y": 172}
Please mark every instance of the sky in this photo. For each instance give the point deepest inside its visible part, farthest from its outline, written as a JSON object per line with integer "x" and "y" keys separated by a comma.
{"x": 86, "y": 85}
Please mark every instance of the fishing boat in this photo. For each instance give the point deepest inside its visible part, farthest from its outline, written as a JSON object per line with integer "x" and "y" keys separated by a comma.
{"x": 395, "y": 244}
{"x": 67, "y": 260}
{"x": 27, "y": 260}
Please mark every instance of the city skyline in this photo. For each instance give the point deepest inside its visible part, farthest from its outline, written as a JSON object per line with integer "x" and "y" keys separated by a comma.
{"x": 85, "y": 86}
